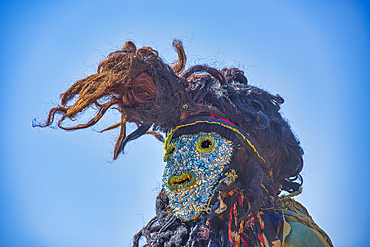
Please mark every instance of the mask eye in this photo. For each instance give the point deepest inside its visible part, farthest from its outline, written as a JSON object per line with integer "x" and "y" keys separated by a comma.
{"x": 206, "y": 144}
{"x": 169, "y": 151}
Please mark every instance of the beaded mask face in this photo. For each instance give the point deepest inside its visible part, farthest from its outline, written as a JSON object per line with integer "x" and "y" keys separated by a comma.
{"x": 194, "y": 167}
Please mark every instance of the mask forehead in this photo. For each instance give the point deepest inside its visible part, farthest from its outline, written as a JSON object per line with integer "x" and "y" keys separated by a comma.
{"x": 194, "y": 167}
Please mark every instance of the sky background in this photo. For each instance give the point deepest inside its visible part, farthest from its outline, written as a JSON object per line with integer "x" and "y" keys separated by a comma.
{"x": 62, "y": 188}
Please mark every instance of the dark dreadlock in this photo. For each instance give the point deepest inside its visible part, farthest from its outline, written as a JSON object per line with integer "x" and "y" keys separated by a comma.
{"x": 148, "y": 92}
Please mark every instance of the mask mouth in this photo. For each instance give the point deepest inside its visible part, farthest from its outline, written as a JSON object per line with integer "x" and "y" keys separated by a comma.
{"x": 183, "y": 181}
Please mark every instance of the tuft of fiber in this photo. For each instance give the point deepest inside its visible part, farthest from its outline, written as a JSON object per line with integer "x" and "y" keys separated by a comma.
{"x": 147, "y": 91}
{"x": 150, "y": 93}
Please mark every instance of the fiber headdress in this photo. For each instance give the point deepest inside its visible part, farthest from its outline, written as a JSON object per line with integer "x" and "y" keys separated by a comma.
{"x": 258, "y": 155}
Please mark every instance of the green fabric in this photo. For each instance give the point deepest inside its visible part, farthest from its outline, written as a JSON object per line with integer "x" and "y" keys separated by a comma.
{"x": 301, "y": 236}
{"x": 294, "y": 212}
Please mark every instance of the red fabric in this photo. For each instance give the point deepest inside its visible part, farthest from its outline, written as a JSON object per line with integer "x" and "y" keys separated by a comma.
{"x": 240, "y": 200}
{"x": 260, "y": 237}
{"x": 231, "y": 217}
{"x": 213, "y": 115}
{"x": 245, "y": 243}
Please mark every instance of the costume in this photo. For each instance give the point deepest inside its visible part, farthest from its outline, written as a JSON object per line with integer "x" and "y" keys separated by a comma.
{"x": 229, "y": 153}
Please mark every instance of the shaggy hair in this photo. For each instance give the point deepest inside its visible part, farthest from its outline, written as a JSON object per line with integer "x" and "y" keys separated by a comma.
{"x": 150, "y": 93}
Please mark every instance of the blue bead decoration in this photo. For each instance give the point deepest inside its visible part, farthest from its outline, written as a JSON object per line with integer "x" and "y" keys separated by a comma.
{"x": 186, "y": 197}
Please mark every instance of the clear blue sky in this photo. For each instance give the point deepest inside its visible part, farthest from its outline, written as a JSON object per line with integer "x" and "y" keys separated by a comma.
{"x": 61, "y": 188}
